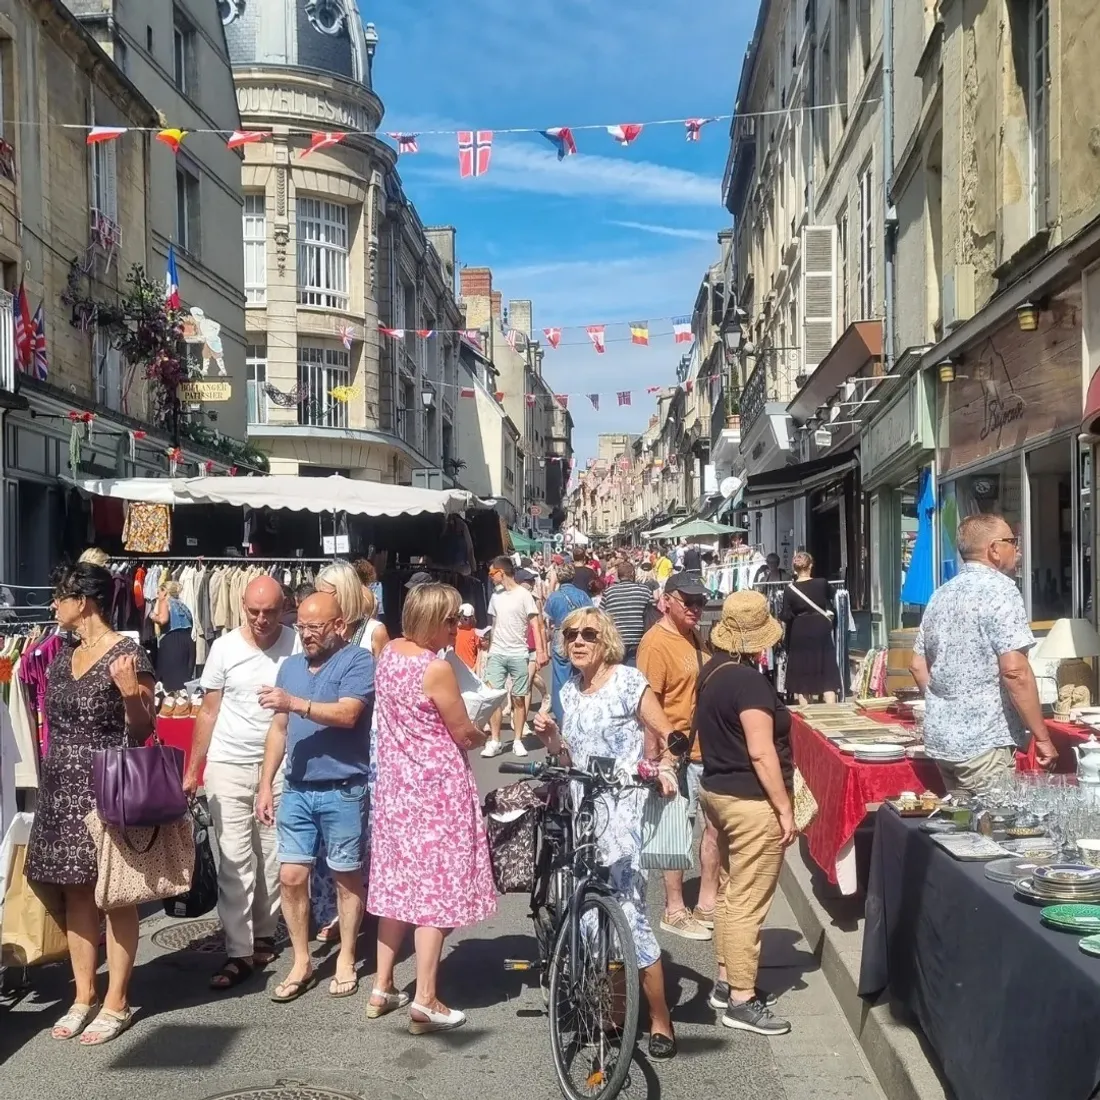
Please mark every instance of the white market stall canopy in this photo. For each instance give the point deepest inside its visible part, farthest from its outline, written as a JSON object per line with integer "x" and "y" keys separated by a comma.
{"x": 298, "y": 494}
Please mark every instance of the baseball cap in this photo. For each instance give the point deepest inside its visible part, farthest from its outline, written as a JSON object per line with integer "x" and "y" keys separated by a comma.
{"x": 418, "y": 579}
{"x": 686, "y": 584}
{"x": 466, "y": 610}
{"x": 525, "y": 576}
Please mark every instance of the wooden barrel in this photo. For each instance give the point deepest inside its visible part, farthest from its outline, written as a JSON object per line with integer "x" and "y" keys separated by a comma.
{"x": 898, "y": 657}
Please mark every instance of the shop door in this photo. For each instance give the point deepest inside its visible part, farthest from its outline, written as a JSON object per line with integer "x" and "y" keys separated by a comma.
{"x": 1051, "y": 523}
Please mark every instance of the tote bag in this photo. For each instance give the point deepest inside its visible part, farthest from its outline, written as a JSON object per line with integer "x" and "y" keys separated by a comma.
{"x": 33, "y": 930}
{"x": 666, "y": 834}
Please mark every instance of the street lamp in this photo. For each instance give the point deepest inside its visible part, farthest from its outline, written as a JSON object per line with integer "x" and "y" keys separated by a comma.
{"x": 428, "y": 398}
{"x": 370, "y": 36}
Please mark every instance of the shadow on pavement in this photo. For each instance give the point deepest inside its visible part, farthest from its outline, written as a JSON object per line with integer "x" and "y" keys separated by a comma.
{"x": 178, "y": 1046}
{"x": 485, "y": 958}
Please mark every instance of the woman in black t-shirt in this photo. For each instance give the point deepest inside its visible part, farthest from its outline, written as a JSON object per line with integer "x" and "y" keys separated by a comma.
{"x": 744, "y": 734}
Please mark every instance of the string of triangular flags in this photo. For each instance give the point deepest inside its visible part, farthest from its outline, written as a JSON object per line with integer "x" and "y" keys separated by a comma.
{"x": 517, "y": 340}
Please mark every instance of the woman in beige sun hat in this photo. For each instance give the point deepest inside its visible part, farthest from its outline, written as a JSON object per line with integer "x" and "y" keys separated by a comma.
{"x": 748, "y": 775}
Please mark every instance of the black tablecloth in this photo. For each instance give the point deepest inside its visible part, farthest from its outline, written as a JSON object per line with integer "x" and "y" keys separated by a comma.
{"x": 1011, "y": 1007}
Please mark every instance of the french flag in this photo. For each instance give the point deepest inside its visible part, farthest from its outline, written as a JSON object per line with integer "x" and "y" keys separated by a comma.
{"x": 172, "y": 281}
{"x": 626, "y": 132}
{"x": 561, "y": 137}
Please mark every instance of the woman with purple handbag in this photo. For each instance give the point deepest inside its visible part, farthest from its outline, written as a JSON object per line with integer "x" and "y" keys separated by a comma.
{"x": 99, "y": 697}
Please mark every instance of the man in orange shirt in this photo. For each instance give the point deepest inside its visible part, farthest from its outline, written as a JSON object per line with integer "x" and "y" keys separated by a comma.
{"x": 670, "y": 656}
{"x": 467, "y": 642}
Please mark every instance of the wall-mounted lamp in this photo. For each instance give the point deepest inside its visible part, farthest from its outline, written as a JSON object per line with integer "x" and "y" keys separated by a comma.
{"x": 428, "y": 398}
{"x": 947, "y": 372}
{"x": 1027, "y": 316}
{"x": 733, "y": 340}
{"x": 812, "y": 423}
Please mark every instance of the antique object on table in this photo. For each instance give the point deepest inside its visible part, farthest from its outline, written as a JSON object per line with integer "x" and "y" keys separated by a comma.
{"x": 1051, "y": 894}
{"x": 1074, "y": 876}
{"x": 1090, "y": 945}
{"x": 1072, "y": 917}
{"x": 969, "y": 847}
{"x": 879, "y": 754}
{"x": 1009, "y": 870}
{"x": 1071, "y": 641}
{"x": 1039, "y": 848}
{"x": 882, "y": 702}
{"x": 1088, "y": 760}
{"x": 1090, "y": 852}
{"x": 938, "y": 825}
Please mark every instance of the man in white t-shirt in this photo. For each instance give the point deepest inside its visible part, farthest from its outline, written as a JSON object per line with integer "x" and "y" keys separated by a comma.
{"x": 512, "y": 610}
{"x": 230, "y": 732}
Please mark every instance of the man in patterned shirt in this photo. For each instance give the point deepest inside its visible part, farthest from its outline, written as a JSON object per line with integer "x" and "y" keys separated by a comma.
{"x": 970, "y": 660}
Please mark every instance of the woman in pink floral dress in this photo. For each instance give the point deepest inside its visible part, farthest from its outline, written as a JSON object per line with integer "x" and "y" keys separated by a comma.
{"x": 429, "y": 851}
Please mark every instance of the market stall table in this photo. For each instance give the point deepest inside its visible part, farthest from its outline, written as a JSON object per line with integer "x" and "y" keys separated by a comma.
{"x": 1009, "y": 1006}
{"x": 1065, "y": 736}
{"x": 179, "y": 733}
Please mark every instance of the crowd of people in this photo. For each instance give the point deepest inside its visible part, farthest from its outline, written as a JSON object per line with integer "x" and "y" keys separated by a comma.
{"x": 336, "y": 763}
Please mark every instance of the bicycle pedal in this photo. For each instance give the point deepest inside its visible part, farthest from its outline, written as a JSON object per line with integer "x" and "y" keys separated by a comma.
{"x": 520, "y": 964}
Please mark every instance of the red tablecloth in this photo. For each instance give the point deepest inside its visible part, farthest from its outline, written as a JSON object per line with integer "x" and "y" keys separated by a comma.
{"x": 843, "y": 788}
{"x": 1064, "y": 735}
{"x": 178, "y": 732}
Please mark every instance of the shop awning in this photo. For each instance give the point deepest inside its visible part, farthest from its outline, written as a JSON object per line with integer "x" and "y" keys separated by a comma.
{"x": 799, "y": 479}
{"x": 522, "y": 544}
{"x": 1091, "y": 420}
{"x": 297, "y": 494}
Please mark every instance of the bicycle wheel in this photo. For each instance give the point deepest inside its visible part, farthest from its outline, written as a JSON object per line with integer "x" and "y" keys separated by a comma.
{"x": 547, "y": 923}
{"x": 594, "y": 1002}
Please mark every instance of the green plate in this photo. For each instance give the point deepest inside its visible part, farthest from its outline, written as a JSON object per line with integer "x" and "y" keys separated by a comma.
{"x": 1090, "y": 945}
{"x": 1073, "y": 917}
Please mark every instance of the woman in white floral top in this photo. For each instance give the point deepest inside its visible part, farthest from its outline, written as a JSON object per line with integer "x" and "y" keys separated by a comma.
{"x": 610, "y": 711}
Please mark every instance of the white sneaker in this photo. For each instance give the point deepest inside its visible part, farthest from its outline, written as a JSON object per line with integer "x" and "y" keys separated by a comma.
{"x": 517, "y": 746}
{"x": 492, "y": 748}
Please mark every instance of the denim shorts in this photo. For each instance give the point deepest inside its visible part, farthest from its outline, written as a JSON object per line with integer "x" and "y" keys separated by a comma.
{"x": 310, "y": 813}
{"x": 499, "y": 667}
{"x": 693, "y": 776}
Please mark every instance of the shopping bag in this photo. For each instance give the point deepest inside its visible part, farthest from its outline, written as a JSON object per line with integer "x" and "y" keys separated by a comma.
{"x": 666, "y": 834}
{"x": 143, "y": 865}
{"x": 33, "y": 931}
{"x": 481, "y": 700}
{"x": 805, "y": 805}
{"x": 203, "y": 895}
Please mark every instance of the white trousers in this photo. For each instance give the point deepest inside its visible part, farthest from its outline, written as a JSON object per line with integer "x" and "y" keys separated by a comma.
{"x": 248, "y": 867}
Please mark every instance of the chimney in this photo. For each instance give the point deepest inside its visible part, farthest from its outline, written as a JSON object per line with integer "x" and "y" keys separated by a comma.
{"x": 496, "y": 297}
{"x": 442, "y": 238}
{"x": 476, "y": 288}
{"x": 519, "y": 315}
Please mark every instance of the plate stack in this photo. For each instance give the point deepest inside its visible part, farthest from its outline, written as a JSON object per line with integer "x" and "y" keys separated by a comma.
{"x": 878, "y": 753}
{"x": 1062, "y": 882}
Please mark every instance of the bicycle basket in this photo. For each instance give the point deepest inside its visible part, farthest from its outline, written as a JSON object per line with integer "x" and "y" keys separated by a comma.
{"x": 511, "y": 815}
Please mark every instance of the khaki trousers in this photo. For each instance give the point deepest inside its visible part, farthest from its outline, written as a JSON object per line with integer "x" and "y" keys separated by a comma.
{"x": 248, "y": 867}
{"x": 750, "y": 852}
{"x": 979, "y": 775}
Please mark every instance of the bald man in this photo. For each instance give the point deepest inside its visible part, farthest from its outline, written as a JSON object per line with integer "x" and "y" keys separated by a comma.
{"x": 230, "y": 734}
{"x": 322, "y": 702}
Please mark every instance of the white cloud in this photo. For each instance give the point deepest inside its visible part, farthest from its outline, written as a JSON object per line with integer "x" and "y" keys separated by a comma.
{"x": 668, "y": 231}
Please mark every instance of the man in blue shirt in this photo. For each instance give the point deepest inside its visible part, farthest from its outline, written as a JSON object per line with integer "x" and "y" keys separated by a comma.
{"x": 558, "y": 604}
{"x": 322, "y": 702}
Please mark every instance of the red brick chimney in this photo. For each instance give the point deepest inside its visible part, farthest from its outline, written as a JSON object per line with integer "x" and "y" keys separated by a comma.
{"x": 497, "y": 298}
{"x": 475, "y": 282}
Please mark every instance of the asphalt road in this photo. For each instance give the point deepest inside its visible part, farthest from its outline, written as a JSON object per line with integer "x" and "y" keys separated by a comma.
{"x": 190, "y": 1044}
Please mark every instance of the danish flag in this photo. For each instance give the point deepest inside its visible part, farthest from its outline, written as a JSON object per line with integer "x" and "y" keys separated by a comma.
{"x": 475, "y": 147}
{"x": 626, "y": 132}
{"x": 596, "y": 335}
{"x": 553, "y": 336}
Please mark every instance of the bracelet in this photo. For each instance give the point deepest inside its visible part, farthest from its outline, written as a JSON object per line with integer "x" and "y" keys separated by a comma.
{"x": 309, "y": 707}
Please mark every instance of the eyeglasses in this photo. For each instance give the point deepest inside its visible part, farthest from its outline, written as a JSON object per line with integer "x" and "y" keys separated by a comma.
{"x": 1013, "y": 540}
{"x": 588, "y": 634}
{"x": 314, "y": 628}
{"x": 692, "y": 603}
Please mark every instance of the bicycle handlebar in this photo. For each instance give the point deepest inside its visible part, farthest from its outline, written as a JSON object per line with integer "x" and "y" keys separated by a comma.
{"x": 541, "y": 770}
{"x": 533, "y": 770}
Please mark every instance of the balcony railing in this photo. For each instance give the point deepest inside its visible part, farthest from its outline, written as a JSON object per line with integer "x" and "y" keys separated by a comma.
{"x": 774, "y": 378}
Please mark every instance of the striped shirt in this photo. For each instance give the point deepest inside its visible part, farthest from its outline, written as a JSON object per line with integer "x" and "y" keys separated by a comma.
{"x": 626, "y": 603}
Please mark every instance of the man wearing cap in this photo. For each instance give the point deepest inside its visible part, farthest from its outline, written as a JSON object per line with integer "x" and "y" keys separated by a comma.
{"x": 418, "y": 578}
{"x": 670, "y": 656}
{"x": 467, "y": 642}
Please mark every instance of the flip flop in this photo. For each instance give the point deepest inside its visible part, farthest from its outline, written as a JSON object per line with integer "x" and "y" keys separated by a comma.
{"x": 336, "y": 987}
{"x": 297, "y": 988}
{"x": 105, "y": 1027}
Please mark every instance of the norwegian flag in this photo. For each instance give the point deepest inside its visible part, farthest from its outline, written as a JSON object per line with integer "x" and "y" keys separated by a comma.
{"x": 246, "y": 137}
{"x": 595, "y": 399}
{"x": 553, "y": 336}
{"x": 322, "y": 139}
{"x": 24, "y": 330}
{"x": 347, "y": 334}
{"x": 395, "y": 333}
{"x": 596, "y": 335}
{"x": 406, "y": 143}
{"x": 681, "y": 330}
{"x": 562, "y": 399}
{"x": 529, "y": 398}
{"x": 626, "y": 132}
{"x": 624, "y": 399}
{"x": 693, "y": 127}
{"x": 475, "y": 147}
{"x": 561, "y": 137}
{"x": 466, "y": 391}
{"x": 40, "y": 365}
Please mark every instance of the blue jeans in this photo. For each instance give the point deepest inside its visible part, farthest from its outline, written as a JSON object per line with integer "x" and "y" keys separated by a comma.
{"x": 330, "y": 813}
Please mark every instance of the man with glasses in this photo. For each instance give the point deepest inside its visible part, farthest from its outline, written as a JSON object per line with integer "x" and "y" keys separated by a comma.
{"x": 670, "y": 656}
{"x": 970, "y": 660}
{"x": 230, "y": 732}
{"x": 322, "y": 702}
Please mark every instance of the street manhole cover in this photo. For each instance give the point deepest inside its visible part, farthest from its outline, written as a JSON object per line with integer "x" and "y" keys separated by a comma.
{"x": 205, "y": 935}
{"x": 285, "y": 1090}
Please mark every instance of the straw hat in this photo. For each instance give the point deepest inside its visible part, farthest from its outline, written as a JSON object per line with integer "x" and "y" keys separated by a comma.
{"x": 746, "y": 625}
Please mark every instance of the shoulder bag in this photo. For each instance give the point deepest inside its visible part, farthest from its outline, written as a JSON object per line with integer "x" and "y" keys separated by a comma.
{"x": 830, "y": 615}
{"x": 139, "y": 786}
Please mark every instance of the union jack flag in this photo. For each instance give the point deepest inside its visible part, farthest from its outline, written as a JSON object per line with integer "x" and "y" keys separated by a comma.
{"x": 40, "y": 364}
{"x": 347, "y": 335}
{"x": 624, "y": 399}
{"x": 475, "y": 147}
{"x": 406, "y": 143}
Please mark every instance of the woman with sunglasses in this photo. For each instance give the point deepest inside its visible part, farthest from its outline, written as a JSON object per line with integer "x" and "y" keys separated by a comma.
{"x": 610, "y": 711}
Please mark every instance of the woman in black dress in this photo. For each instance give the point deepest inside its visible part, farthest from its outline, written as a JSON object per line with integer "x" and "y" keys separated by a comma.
{"x": 99, "y": 695}
{"x": 811, "y": 647}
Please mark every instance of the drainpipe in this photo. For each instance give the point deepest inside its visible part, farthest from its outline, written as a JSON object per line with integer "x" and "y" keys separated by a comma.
{"x": 890, "y": 221}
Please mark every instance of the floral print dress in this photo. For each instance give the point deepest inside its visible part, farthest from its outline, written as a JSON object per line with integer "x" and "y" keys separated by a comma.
{"x": 429, "y": 850}
{"x": 605, "y": 723}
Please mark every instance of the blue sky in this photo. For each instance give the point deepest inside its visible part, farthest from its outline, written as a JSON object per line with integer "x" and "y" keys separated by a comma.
{"x": 611, "y": 235}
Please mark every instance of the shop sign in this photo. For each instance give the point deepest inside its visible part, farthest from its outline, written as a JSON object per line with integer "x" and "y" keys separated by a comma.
{"x": 904, "y": 424}
{"x": 193, "y": 392}
{"x": 1015, "y": 386}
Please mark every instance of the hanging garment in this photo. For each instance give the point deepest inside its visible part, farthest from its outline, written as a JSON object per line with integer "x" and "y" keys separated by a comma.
{"x": 148, "y": 528}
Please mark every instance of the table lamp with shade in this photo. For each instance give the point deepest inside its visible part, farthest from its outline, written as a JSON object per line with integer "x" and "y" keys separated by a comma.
{"x": 1071, "y": 641}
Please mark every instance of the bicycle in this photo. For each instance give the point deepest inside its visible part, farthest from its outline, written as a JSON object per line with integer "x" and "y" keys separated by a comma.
{"x": 587, "y": 964}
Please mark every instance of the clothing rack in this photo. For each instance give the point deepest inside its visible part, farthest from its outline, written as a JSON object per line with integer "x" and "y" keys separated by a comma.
{"x": 767, "y": 584}
{"x": 283, "y": 560}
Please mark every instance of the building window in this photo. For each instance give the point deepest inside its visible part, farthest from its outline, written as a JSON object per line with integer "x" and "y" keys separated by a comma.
{"x": 825, "y": 115}
{"x": 1038, "y": 109}
{"x": 103, "y": 168}
{"x": 866, "y": 245}
{"x": 320, "y": 370}
{"x": 842, "y": 258}
{"x": 183, "y": 55}
{"x": 322, "y": 253}
{"x": 255, "y": 248}
{"x": 255, "y": 361}
{"x": 408, "y": 411}
{"x": 187, "y": 208}
{"x": 108, "y": 372}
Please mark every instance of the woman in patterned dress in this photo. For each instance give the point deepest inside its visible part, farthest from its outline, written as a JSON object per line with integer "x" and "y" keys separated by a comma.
{"x": 609, "y": 710}
{"x": 429, "y": 852}
{"x": 99, "y": 696}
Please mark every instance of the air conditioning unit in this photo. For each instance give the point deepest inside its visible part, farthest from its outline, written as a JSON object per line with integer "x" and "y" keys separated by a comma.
{"x": 823, "y": 438}
{"x": 958, "y": 295}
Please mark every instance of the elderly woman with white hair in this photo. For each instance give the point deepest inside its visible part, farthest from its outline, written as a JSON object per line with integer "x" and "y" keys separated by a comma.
{"x": 610, "y": 711}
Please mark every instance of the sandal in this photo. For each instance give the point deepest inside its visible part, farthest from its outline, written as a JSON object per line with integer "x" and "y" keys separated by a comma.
{"x": 329, "y": 933}
{"x": 392, "y": 1002}
{"x": 264, "y": 951}
{"x": 74, "y": 1021}
{"x": 106, "y": 1026}
{"x": 343, "y": 987}
{"x": 232, "y": 974}
{"x": 294, "y": 989}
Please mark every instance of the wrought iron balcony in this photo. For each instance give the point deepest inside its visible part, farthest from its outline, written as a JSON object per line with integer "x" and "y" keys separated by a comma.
{"x": 774, "y": 378}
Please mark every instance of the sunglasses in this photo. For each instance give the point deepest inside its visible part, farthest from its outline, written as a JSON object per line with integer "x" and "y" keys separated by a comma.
{"x": 692, "y": 603}
{"x": 588, "y": 634}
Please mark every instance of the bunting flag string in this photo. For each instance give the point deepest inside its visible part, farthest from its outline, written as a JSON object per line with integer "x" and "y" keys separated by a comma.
{"x": 596, "y": 335}
{"x": 517, "y": 340}
{"x": 553, "y": 336}
{"x": 624, "y": 397}
{"x": 595, "y": 399}
{"x": 639, "y": 332}
{"x": 475, "y": 149}
{"x": 681, "y": 330}
{"x": 406, "y": 143}
{"x": 561, "y": 137}
{"x": 625, "y": 133}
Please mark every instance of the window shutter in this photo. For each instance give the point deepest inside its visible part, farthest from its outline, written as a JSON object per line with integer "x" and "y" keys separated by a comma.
{"x": 110, "y": 184}
{"x": 818, "y": 294}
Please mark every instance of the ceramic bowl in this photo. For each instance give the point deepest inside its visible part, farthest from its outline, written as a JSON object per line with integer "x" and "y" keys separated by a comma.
{"x": 1090, "y": 852}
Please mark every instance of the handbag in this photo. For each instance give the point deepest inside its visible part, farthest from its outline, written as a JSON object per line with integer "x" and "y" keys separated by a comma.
{"x": 203, "y": 895}
{"x": 830, "y": 615}
{"x": 139, "y": 786}
{"x": 666, "y": 834}
{"x": 511, "y": 815}
{"x": 33, "y": 931}
{"x": 132, "y": 875}
{"x": 803, "y": 803}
